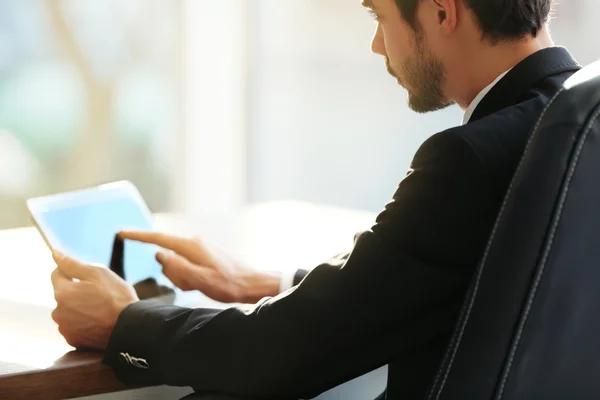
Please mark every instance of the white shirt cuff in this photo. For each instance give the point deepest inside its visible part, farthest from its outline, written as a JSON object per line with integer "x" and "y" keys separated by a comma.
{"x": 286, "y": 280}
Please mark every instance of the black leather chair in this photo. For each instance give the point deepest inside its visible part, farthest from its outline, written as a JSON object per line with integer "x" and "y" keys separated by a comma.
{"x": 530, "y": 325}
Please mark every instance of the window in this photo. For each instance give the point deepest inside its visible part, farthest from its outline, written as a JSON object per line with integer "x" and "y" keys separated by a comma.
{"x": 208, "y": 106}
{"x": 88, "y": 94}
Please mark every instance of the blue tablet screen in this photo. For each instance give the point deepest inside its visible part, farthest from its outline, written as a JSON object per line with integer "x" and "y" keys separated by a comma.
{"x": 86, "y": 231}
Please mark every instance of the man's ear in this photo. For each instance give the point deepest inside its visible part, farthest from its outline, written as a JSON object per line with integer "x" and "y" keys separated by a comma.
{"x": 446, "y": 13}
{"x": 442, "y": 15}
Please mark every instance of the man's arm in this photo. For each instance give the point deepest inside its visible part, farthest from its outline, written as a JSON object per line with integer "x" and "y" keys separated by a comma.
{"x": 394, "y": 296}
{"x": 289, "y": 279}
{"x": 292, "y": 278}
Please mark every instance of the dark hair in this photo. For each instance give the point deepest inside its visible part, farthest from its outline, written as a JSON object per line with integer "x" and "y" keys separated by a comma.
{"x": 498, "y": 19}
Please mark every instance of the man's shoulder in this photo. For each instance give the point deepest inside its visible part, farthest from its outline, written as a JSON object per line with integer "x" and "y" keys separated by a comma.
{"x": 497, "y": 141}
{"x": 509, "y": 125}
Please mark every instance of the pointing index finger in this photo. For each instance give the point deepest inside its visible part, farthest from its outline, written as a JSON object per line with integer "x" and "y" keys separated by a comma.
{"x": 175, "y": 243}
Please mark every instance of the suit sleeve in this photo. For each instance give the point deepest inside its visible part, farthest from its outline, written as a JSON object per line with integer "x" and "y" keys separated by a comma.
{"x": 299, "y": 276}
{"x": 292, "y": 278}
{"x": 396, "y": 292}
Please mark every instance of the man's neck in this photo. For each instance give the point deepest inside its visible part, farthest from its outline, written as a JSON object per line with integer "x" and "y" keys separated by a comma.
{"x": 492, "y": 61}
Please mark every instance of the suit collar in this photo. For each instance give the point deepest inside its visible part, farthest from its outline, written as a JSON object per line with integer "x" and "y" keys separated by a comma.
{"x": 538, "y": 66}
{"x": 469, "y": 111}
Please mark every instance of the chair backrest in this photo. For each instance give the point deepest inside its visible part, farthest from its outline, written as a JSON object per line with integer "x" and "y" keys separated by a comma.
{"x": 530, "y": 325}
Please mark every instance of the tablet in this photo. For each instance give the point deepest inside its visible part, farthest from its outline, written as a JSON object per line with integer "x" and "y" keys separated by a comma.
{"x": 83, "y": 224}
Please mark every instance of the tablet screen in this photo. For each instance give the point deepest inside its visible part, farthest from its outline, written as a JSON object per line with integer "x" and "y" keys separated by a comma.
{"x": 84, "y": 227}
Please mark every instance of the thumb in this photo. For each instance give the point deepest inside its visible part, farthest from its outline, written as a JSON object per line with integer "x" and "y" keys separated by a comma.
{"x": 72, "y": 268}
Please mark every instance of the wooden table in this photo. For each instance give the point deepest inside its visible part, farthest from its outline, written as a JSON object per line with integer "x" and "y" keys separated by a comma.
{"x": 35, "y": 361}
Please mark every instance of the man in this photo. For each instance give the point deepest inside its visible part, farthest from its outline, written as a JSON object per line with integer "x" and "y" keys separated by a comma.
{"x": 394, "y": 297}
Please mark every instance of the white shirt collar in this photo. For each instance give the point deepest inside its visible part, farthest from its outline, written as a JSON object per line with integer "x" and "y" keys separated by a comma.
{"x": 469, "y": 111}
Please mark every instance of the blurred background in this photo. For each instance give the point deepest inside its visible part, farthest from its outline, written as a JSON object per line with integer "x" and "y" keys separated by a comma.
{"x": 208, "y": 106}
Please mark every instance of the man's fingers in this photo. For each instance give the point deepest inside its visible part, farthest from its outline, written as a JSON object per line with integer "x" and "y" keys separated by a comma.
{"x": 72, "y": 268}
{"x": 173, "y": 261}
{"x": 177, "y": 268}
{"x": 59, "y": 280}
{"x": 177, "y": 244}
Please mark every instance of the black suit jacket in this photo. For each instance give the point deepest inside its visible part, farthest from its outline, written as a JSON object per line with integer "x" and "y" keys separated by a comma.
{"x": 393, "y": 298}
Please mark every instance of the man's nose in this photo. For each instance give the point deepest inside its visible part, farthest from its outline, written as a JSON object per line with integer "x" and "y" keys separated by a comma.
{"x": 377, "y": 43}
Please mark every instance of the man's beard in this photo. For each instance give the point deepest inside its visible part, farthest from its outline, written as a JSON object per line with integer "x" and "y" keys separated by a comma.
{"x": 422, "y": 75}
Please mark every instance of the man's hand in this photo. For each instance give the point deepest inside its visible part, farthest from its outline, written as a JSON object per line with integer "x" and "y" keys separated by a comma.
{"x": 88, "y": 308}
{"x": 193, "y": 264}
